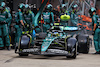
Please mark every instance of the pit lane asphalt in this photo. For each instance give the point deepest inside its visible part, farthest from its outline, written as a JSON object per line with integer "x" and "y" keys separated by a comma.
{"x": 10, "y": 59}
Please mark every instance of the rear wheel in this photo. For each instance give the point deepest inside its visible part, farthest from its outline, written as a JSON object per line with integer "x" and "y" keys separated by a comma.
{"x": 87, "y": 51}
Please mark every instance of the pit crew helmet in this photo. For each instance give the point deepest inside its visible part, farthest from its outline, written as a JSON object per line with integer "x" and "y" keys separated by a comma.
{"x": 49, "y": 7}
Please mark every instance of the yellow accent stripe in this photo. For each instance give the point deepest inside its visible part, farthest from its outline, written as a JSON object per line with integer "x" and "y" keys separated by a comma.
{"x": 66, "y": 42}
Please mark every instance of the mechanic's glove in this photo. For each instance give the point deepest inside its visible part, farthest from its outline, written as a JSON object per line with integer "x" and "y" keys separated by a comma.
{"x": 37, "y": 27}
{"x": 28, "y": 25}
{"x": 79, "y": 18}
{"x": 24, "y": 27}
{"x": 11, "y": 26}
{"x": 3, "y": 22}
{"x": 93, "y": 32}
{"x": 51, "y": 24}
{"x": 25, "y": 23}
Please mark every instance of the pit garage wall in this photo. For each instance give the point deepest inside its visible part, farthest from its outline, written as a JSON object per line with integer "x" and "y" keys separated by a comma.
{"x": 55, "y": 3}
{"x": 98, "y": 4}
{"x": 38, "y": 3}
{"x": 16, "y": 2}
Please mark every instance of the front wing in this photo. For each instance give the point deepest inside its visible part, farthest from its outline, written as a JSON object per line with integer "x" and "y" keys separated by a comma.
{"x": 36, "y": 51}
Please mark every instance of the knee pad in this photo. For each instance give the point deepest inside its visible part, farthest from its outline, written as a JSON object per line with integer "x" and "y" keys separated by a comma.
{"x": 48, "y": 26}
{"x": 1, "y": 41}
{"x": 16, "y": 26}
{"x": 7, "y": 39}
{"x": 95, "y": 39}
{"x": 38, "y": 30}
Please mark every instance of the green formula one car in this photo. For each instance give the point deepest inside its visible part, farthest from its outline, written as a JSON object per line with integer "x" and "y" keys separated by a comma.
{"x": 56, "y": 41}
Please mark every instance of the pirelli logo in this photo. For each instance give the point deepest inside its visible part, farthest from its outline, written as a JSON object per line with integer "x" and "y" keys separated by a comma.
{"x": 30, "y": 50}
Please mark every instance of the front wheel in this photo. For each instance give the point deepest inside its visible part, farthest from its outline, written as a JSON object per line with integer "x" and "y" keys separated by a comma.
{"x": 74, "y": 54}
{"x": 20, "y": 54}
{"x": 72, "y": 57}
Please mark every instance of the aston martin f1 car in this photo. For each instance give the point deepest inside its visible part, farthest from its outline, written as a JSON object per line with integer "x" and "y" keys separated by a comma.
{"x": 56, "y": 41}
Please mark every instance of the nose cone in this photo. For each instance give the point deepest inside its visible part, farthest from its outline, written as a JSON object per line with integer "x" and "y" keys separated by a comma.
{"x": 65, "y": 17}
